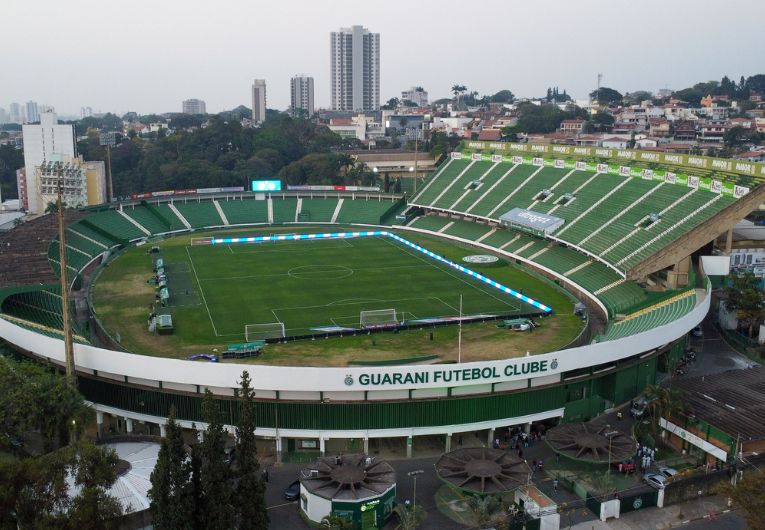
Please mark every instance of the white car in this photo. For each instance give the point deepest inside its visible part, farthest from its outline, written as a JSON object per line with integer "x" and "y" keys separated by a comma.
{"x": 668, "y": 472}
{"x": 655, "y": 480}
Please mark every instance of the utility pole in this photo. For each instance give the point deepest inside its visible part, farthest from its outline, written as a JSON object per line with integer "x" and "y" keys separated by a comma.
{"x": 414, "y": 474}
{"x": 71, "y": 375}
{"x": 600, "y": 78}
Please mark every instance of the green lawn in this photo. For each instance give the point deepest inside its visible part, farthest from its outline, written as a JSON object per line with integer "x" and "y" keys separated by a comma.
{"x": 217, "y": 290}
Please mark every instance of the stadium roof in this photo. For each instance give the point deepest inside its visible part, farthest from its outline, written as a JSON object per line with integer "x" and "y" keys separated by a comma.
{"x": 733, "y": 401}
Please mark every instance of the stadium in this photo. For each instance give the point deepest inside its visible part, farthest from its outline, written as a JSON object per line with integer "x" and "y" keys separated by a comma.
{"x": 367, "y": 318}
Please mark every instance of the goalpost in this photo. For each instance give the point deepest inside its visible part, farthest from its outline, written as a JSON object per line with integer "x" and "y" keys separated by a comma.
{"x": 270, "y": 330}
{"x": 378, "y": 318}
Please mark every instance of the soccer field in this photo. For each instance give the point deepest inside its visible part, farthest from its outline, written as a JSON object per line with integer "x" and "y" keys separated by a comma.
{"x": 327, "y": 283}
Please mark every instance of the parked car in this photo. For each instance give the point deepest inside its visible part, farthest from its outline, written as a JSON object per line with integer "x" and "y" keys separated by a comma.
{"x": 667, "y": 471}
{"x": 292, "y": 493}
{"x": 655, "y": 480}
{"x": 697, "y": 331}
{"x": 638, "y": 407}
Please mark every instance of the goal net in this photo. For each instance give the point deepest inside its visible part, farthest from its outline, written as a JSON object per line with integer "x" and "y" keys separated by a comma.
{"x": 270, "y": 330}
{"x": 378, "y": 318}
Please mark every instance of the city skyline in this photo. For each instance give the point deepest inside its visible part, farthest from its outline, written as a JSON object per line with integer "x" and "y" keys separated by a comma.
{"x": 527, "y": 59}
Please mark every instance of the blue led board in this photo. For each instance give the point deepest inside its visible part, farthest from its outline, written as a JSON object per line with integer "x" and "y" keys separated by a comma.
{"x": 266, "y": 185}
{"x": 347, "y": 235}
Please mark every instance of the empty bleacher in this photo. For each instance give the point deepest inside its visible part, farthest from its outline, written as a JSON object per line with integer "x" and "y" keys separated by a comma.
{"x": 149, "y": 217}
{"x": 601, "y": 219}
{"x": 112, "y": 222}
{"x": 652, "y": 317}
{"x": 247, "y": 211}
{"x": 284, "y": 209}
{"x": 317, "y": 210}
{"x": 199, "y": 214}
{"x": 366, "y": 211}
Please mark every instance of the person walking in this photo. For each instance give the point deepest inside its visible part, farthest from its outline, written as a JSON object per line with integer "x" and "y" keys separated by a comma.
{"x": 555, "y": 484}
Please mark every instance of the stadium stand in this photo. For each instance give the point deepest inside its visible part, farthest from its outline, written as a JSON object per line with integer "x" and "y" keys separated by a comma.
{"x": 284, "y": 209}
{"x": 199, "y": 214}
{"x": 148, "y": 217}
{"x": 317, "y": 210}
{"x": 431, "y": 222}
{"x": 113, "y": 223}
{"x": 365, "y": 211}
{"x": 28, "y": 244}
{"x": 603, "y": 218}
{"x": 247, "y": 211}
{"x": 652, "y": 317}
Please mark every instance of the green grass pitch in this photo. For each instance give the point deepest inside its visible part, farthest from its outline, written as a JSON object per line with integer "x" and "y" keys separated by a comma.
{"x": 323, "y": 283}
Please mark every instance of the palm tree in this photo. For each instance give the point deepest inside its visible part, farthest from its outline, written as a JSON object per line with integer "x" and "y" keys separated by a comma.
{"x": 664, "y": 401}
{"x": 484, "y": 509}
{"x": 458, "y": 91}
{"x": 335, "y": 522}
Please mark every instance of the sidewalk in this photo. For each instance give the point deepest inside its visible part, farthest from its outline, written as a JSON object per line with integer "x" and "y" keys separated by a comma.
{"x": 657, "y": 518}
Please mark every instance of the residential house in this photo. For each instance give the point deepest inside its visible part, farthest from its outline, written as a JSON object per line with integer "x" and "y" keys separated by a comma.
{"x": 711, "y": 132}
{"x": 684, "y": 131}
{"x": 573, "y": 126}
{"x": 658, "y": 127}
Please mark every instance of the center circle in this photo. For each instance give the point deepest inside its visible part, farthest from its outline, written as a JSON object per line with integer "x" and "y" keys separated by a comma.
{"x": 320, "y": 272}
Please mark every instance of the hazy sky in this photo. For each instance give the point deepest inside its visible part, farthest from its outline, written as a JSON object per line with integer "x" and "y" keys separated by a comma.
{"x": 148, "y": 55}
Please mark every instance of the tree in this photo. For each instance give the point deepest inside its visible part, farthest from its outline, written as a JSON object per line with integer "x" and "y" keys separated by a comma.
{"x": 335, "y": 522}
{"x": 634, "y": 98}
{"x": 458, "y": 91}
{"x": 392, "y": 104}
{"x": 503, "y": 96}
{"x": 95, "y": 471}
{"x": 747, "y": 299}
{"x": 249, "y": 496}
{"x": 664, "y": 401}
{"x": 409, "y": 517}
{"x": 216, "y": 508}
{"x": 170, "y": 479}
{"x": 602, "y": 121}
{"x": 747, "y": 496}
{"x": 606, "y": 96}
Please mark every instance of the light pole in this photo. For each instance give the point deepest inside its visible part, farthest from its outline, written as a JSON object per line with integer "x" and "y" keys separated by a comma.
{"x": 414, "y": 474}
{"x": 71, "y": 375}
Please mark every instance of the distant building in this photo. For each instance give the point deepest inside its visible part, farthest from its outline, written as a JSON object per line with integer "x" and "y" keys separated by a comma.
{"x": 194, "y": 106}
{"x": 573, "y": 126}
{"x": 3, "y": 116}
{"x": 259, "y": 101}
{"x": 31, "y": 110}
{"x": 16, "y": 113}
{"x": 86, "y": 112}
{"x": 355, "y": 69}
{"x": 301, "y": 95}
{"x": 416, "y": 95}
{"x": 42, "y": 142}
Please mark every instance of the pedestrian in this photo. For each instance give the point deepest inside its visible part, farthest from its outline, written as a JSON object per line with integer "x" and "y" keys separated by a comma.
{"x": 265, "y": 474}
{"x": 533, "y": 464}
{"x": 619, "y": 415}
{"x": 621, "y": 466}
{"x": 540, "y": 465}
{"x": 520, "y": 453}
{"x": 557, "y": 458}
{"x": 555, "y": 484}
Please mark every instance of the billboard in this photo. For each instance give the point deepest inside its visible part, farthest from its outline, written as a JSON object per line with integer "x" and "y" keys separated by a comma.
{"x": 266, "y": 185}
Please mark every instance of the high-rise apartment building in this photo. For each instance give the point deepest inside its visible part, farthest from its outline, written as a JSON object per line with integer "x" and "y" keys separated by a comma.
{"x": 194, "y": 106}
{"x": 301, "y": 95}
{"x": 259, "y": 101}
{"x": 44, "y": 142}
{"x": 32, "y": 115}
{"x": 16, "y": 113}
{"x": 355, "y": 69}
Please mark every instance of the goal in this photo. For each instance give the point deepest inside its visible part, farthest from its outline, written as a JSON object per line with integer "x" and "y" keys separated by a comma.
{"x": 378, "y": 318}
{"x": 270, "y": 330}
